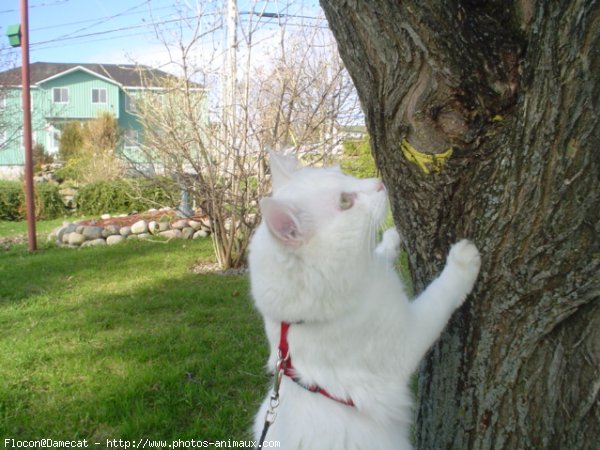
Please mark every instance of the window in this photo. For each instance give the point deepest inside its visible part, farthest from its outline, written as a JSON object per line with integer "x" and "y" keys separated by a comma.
{"x": 53, "y": 140}
{"x": 55, "y": 145}
{"x": 130, "y": 104}
{"x": 131, "y": 138}
{"x": 60, "y": 95}
{"x": 98, "y": 95}
{"x": 2, "y": 102}
{"x": 3, "y": 137}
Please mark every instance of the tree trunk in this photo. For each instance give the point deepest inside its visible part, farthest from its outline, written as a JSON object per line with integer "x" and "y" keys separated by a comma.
{"x": 484, "y": 121}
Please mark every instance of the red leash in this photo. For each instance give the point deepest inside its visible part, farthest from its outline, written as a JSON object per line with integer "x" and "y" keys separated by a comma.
{"x": 288, "y": 368}
{"x": 285, "y": 367}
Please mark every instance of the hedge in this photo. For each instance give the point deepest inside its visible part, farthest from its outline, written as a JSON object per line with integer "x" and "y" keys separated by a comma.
{"x": 126, "y": 195}
{"x": 48, "y": 203}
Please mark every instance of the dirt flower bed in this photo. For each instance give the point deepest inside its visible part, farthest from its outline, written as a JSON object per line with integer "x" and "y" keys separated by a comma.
{"x": 130, "y": 219}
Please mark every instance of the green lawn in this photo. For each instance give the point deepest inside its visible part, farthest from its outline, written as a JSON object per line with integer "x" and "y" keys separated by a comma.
{"x": 125, "y": 342}
{"x": 8, "y": 228}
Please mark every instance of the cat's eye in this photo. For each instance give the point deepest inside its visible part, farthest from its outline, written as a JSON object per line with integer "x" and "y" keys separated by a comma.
{"x": 347, "y": 200}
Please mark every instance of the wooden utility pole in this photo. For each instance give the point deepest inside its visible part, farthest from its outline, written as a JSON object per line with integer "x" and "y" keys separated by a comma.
{"x": 27, "y": 141}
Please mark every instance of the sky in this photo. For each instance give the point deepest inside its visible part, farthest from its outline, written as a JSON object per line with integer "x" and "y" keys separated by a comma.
{"x": 129, "y": 31}
{"x": 148, "y": 32}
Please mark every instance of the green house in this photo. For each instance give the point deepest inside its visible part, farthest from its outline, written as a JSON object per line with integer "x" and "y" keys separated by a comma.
{"x": 61, "y": 93}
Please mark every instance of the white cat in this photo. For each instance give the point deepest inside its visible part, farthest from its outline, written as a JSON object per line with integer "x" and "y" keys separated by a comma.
{"x": 350, "y": 332}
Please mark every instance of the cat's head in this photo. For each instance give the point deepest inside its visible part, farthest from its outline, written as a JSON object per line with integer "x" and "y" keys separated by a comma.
{"x": 317, "y": 233}
{"x": 320, "y": 205}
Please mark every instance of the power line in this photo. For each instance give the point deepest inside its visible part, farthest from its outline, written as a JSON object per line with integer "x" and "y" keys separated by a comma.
{"x": 105, "y": 19}
{"x": 114, "y": 30}
{"x": 79, "y": 22}
{"x": 163, "y": 22}
{"x": 39, "y": 5}
{"x": 42, "y": 45}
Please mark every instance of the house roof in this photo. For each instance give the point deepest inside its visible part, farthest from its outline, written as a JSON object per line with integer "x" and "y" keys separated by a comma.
{"x": 126, "y": 75}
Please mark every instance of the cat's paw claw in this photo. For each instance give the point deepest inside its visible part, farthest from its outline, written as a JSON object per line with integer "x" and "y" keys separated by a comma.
{"x": 466, "y": 257}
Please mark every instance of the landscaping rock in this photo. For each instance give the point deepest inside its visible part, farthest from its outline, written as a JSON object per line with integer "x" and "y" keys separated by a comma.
{"x": 187, "y": 232}
{"x": 105, "y": 216}
{"x": 153, "y": 227}
{"x": 94, "y": 243}
{"x": 65, "y": 229}
{"x": 179, "y": 224}
{"x": 195, "y": 224}
{"x": 54, "y": 233}
{"x": 125, "y": 231}
{"x": 110, "y": 230}
{"x": 163, "y": 226}
{"x": 90, "y": 233}
{"x": 171, "y": 234}
{"x": 143, "y": 235}
{"x": 139, "y": 227}
{"x": 76, "y": 238}
{"x": 79, "y": 229}
{"x": 206, "y": 222}
{"x": 68, "y": 196}
{"x": 114, "y": 239}
{"x": 200, "y": 234}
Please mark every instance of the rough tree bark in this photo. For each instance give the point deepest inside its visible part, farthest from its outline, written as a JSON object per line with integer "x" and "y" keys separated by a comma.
{"x": 484, "y": 119}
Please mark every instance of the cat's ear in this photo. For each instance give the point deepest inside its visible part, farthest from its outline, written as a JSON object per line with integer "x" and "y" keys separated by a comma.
{"x": 283, "y": 223}
{"x": 282, "y": 168}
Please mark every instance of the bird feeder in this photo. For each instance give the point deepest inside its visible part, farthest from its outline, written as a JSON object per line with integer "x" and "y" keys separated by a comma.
{"x": 14, "y": 35}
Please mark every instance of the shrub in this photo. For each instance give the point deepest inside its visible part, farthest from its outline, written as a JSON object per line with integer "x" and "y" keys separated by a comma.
{"x": 357, "y": 159}
{"x": 89, "y": 150}
{"x": 40, "y": 157}
{"x": 126, "y": 195}
{"x": 11, "y": 198}
{"x": 71, "y": 140}
{"x": 48, "y": 203}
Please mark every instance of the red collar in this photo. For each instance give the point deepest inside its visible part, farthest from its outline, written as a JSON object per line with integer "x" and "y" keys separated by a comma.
{"x": 285, "y": 364}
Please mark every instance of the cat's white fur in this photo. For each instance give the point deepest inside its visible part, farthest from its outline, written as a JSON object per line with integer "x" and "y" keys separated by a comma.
{"x": 313, "y": 260}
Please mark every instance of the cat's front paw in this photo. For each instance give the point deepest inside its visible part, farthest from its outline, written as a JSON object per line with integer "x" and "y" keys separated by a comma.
{"x": 464, "y": 257}
{"x": 389, "y": 247}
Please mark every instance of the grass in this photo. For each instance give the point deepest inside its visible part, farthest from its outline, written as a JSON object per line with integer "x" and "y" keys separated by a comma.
{"x": 9, "y": 228}
{"x": 125, "y": 342}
